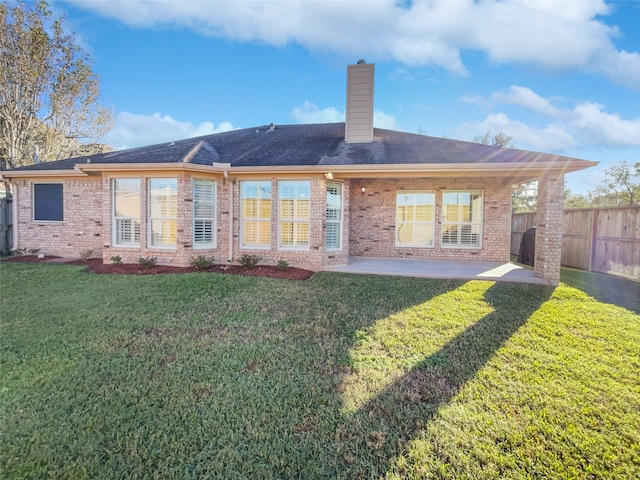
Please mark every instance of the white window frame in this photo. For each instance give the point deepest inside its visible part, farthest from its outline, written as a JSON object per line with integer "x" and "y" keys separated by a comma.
{"x": 298, "y": 220}
{"x": 473, "y": 224}
{"x": 33, "y": 203}
{"x": 412, "y": 221}
{"x": 134, "y": 221}
{"x": 261, "y": 243}
{"x": 168, "y": 217}
{"x": 332, "y": 221}
{"x": 211, "y": 186}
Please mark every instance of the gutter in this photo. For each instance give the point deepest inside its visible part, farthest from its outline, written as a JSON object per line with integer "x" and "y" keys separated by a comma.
{"x": 512, "y": 169}
{"x": 230, "y": 222}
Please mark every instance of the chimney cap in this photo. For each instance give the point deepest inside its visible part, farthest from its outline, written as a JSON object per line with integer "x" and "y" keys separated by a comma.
{"x": 362, "y": 61}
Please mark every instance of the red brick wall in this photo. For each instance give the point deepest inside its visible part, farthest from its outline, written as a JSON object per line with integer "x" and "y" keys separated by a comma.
{"x": 368, "y": 222}
{"x": 373, "y": 218}
{"x": 549, "y": 228}
{"x": 82, "y": 227}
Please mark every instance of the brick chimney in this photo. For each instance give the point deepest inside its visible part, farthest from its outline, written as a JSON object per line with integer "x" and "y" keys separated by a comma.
{"x": 359, "y": 122}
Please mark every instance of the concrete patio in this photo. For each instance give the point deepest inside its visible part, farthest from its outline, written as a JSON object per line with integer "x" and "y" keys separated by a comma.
{"x": 445, "y": 269}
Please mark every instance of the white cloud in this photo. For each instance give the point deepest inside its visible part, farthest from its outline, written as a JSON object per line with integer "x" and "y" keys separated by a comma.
{"x": 605, "y": 129}
{"x": 542, "y": 34}
{"x": 548, "y": 138}
{"x": 382, "y": 120}
{"x": 309, "y": 112}
{"x": 134, "y": 130}
{"x": 527, "y": 98}
{"x": 585, "y": 124}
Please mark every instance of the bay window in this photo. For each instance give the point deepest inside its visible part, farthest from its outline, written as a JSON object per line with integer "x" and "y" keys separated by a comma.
{"x": 255, "y": 214}
{"x": 126, "y": 212}
{"x": 163, "y": 212}
{"x": 204, "y": 213}
{"x": 294, "y": 213}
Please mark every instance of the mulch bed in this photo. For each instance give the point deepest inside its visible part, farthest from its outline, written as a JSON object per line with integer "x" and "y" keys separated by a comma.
{"x": 95, "y": 265}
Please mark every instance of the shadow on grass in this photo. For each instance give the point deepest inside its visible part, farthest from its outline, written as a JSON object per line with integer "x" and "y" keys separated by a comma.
{"x": 619, "y": 291}
{"x": 380, "y": 430}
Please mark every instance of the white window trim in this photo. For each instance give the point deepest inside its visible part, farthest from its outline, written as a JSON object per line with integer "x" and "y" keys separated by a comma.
{"x": 433, "y": 223}
{"x": 263, "y": 246}
{"x": 480, "y": 223}
{"x": 340, "y": 221}
{"x": 294, "y": 220}
{"x": 214, "y": 233}
{"x": 114, "y": 219}
{"x": 150, "y": 219}
{"x": 33, "y": 203}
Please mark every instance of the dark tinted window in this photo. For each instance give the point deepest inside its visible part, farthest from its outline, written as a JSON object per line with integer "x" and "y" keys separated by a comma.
{"x": 47, "y": 202}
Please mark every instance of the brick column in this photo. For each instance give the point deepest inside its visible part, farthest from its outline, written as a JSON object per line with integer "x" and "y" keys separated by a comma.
{"x": 549, "y": 228}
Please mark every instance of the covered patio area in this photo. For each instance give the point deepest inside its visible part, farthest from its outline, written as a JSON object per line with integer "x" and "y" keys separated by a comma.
{"x": 444, "y": 269}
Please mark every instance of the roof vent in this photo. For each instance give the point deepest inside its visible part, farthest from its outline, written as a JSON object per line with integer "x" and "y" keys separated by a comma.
{"x": 362, "y": 61}
{"x": 272, "y": 126}
{"x": 172, "y": 143}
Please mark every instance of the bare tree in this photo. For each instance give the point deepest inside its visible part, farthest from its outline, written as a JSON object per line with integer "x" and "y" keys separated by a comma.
{"x": 500, "y": 139}
{"x": 49, "y": 95}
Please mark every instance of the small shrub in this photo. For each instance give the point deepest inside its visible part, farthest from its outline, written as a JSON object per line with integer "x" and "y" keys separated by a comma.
{"x": 147, "y": 262}
{"x": 18, "y": 251}
{"x": 201, "y": 262}
{"x": 282, "y": 264}
{"x": 249, "y": 261}
{"x": 116, "y": 259}
{"x": 33, "y": 251}
{"x": 86, "y": 254}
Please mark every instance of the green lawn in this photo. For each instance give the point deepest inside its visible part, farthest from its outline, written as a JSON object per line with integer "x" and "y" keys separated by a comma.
{"x": 338, "y": 377}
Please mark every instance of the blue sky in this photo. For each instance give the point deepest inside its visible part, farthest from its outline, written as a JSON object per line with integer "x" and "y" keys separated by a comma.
{"x": 559, "y": 76}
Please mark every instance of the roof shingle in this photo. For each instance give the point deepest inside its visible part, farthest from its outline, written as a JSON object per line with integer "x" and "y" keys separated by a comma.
{"x": 308, "y": 145}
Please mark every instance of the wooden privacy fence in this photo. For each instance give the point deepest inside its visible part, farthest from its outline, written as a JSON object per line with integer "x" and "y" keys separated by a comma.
{"x": 6, "y": 225}
{"x": 604, "y": 240}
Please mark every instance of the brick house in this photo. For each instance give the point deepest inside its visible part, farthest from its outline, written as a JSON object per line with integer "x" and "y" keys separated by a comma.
{"x": 312, "y": 195}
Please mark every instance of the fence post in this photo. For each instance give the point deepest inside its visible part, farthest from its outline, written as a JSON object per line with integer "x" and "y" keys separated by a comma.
{"x": 592, "y": 238}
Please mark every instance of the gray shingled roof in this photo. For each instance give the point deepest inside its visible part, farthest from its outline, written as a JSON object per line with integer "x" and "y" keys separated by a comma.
{"x": 318, "y": 144}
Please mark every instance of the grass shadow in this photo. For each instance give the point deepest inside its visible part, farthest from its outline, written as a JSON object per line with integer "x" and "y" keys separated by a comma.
{"x": 620, "y": 291}
{"x": 369, "y": 440}
{"x": 216, "y": 376}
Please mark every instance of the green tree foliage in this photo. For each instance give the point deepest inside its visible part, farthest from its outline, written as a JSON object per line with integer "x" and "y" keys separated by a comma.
{"x": 49, "y": 94}
{"x": 621, "y": 187}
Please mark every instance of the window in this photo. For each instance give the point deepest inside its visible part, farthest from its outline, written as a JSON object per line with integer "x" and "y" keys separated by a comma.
{"x": 295, "y": 199}
{"x": 462, "y": 219}
{"x": 333, "y": 235}
{"x": 163, "y": 212}
{"x": 415, "y": 218}
{"x": 126, "y": 212}
{"x": 204, "y": 213}
{"x": 255, "y": 213}
{"x": 47, "y": 202}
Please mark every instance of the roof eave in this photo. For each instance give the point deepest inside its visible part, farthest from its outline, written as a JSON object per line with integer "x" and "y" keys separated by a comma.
{"x": 512, "y": 171}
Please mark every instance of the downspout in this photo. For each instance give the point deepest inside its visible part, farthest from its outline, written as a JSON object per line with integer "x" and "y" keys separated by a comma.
{"x": 230, "y": 185}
